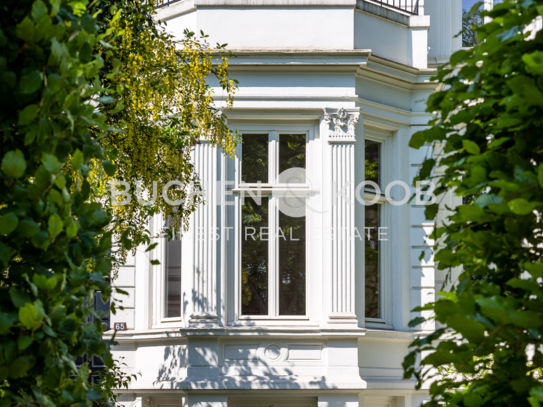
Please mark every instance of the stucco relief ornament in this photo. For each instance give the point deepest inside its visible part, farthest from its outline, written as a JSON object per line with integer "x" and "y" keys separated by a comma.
{"x": 342, "y": 125}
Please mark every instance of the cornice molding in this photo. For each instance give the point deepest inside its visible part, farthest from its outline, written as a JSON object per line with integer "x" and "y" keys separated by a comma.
{"x": 271, "y": 3}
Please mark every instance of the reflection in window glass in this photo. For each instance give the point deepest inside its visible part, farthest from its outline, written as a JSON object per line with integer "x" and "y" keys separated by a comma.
{"x": 291, "y": 241}
{"x": 173, "y": 279}
{"x": 470, "y": 22}
{"x": 254, "y": 158}
{"x": 254, "y": 257}
{"x": 372, "y": 162}
{"x": 372, "y": 261}
{"x": 291, "y": 151}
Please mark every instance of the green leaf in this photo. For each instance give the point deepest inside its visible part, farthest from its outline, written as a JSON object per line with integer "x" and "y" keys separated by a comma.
{"x": 431, "y": 211}
{"x": 109, "y": 168}
{"x": 540, "y": 175}
{"x": 458, "y": 57}
{"x": 28, "y": 114}
{"x": 416, "y": 321}
{"x": 24, "y": 342}
{"x": 55, "y": 8}
{"x": 18, "y": 297}
{"x": 537, "y": 392}
{"x": 535, "y": 269}
{"x": 21, "y": 366}
{"x": 71, "y": 229}
{"x": 106, "y": 100}
{"x": 88, "y": 24}
{"x": 77, "y": 159}
{"x": 473, "y": 400}
{"x": 30, "y": 82}
{"x": 498, "y": 142}
{"x": 520, "y": 206}
{"x": 25, "y": 29}
{"x": 5, "y": 323}
{"x": 14, "y": 164}
{"x": 54, "y": 225}
{"x": 28, "y": 315}
{"x": 39, "y": 9}
{"x": 50, "y": 162}
{"x": 487, "y": 199}
{"x": 471, "y": 147}
{"x": 28, "y": 228}
{"x": 8, "y": 223}
{"x": 5, "y": 255}
{"x": 534, "y": 62}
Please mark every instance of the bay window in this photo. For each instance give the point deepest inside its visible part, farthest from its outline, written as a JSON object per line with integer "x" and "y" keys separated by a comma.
{"x": 273, "y": 193}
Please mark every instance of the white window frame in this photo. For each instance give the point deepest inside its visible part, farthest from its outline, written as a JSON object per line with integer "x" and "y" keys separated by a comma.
{"x": 274, "y": 191}
{"x": 159, "y": 278}
{"x": 385, "y": 281}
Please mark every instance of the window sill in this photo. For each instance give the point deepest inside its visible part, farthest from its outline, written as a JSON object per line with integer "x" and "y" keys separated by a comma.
{"x": 168, "y": 323}
{"x": 377, "y": 324}
{"x": 266, "y": 318}
{"x": 273, "y": 323}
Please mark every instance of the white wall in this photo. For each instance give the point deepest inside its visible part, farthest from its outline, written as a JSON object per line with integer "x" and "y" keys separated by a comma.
{"x": 385, "y": 38}
{"x": 278, "y": 27}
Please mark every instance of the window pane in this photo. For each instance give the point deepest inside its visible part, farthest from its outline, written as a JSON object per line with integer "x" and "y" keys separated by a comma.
{"x": 254, "y": 158}
{"x": 469, "y": 36}
{"x": 173, "y": 279}
{"x": 372, "y": 162}
{"x": 254, "y": 257}
{"x": 291, "y": 151}
{"x": 372, "y": 261}
{"x": 291, "y": 242}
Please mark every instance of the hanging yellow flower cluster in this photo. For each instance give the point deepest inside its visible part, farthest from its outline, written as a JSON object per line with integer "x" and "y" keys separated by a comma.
{"x": 165, "y": 107}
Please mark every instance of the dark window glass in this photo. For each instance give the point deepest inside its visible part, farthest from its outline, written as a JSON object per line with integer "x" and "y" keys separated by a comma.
{"x": 372, "y": 162}
{"x": 173, "y": 279}
{"x": 470, "y": 21}
{"x": 371, "y": 238}
{"x": 291, "y": 151}
{"x": 254, "y": 158}
{"x": 291, "y": 242}
{"x": 254, "y": 257}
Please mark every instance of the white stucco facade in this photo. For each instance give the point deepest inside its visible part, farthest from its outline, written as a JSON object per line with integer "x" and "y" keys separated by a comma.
{"x": 341, "y": 73}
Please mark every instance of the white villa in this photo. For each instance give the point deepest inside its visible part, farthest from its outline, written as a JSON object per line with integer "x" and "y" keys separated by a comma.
{"x": 302, "y": 299}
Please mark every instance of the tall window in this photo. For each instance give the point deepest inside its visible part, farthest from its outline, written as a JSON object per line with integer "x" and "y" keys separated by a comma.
{"x": 472, "y": 20}
{"x": 273, "y": 236}
{"x": 469, "y": 22}
{"x": 371, "y": 231}
{"x": 172, "y": 303}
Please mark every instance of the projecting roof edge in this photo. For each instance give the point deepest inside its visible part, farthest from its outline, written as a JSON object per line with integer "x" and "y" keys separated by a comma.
{"x": 271, "y": 3}
{"x": 298, "y": 51}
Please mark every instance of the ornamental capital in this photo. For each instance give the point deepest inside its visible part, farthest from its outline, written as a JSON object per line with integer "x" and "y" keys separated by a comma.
{"x": 341, "y": 124}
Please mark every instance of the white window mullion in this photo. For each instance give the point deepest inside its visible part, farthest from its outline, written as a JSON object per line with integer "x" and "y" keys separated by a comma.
{"x": 273, "y": 258}
{"x": 273, "y": 157}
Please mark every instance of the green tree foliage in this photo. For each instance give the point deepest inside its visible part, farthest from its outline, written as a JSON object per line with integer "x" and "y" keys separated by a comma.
{"x": 54, "y": 246}
{"x": 489, "y": 122}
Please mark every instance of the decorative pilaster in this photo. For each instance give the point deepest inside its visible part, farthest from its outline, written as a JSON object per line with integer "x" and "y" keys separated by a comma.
{"x": 341, "y": 137}
{"x": 204, "y": 290}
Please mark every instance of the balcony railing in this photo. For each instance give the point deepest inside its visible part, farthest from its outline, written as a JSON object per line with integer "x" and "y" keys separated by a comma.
{"x": 162, "y": 3}
{"x": 410, "y": 6}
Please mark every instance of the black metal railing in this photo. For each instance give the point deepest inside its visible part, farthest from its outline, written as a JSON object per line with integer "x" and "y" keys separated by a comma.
{"x": 410, "y": 6}
{"x": 162, "y": 3}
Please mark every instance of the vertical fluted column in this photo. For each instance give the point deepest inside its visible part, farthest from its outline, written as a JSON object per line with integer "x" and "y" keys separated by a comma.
{"x": 341, "y": 137}
{"x": 204, "y": 292}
